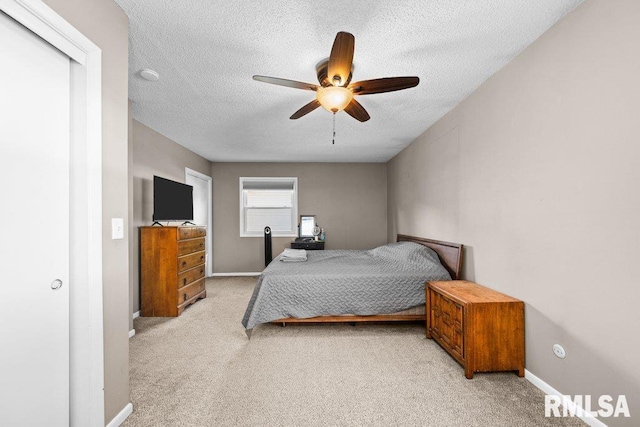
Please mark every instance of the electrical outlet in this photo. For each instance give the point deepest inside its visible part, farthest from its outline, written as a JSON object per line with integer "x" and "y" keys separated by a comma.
{"x": 558, "y": 350}
{"x": 117, "y": 228}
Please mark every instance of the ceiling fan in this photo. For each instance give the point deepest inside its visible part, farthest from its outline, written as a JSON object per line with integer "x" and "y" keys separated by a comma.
{"x": 336, "y": 92}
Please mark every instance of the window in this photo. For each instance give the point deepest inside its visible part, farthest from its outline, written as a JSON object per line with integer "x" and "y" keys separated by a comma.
{"x": 269, "y": 202}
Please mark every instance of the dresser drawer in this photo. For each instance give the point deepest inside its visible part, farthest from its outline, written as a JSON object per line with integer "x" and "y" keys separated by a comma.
{"x": 446, "y": 323}
{"x": 199, "y": 231}
{"x": 190, "y": 291}
{"x": 189, "y": 261}
{"x": 190, "y": 276}
{"x": 186, "y": 247}
{"x": 185, "y": 233}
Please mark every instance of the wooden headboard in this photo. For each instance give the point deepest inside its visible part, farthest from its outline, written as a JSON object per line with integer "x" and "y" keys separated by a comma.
{"x": 450, "y": 253}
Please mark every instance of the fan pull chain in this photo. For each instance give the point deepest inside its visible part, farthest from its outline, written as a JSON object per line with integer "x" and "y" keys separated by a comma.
{"x": 334, "y": 129}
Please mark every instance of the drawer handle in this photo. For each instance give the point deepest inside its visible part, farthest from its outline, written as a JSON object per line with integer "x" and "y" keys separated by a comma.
{"x": 202, "y": 258}
{"x": 201, "y": 244}
{"x": 184, "y": 263}
{"x": 184, "y": 281}
{"x": 184, "y": 296}
{"x": 201, "y": 271}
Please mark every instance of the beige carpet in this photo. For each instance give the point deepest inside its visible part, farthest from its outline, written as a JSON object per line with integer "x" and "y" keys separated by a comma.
{"x": 201, "y": 370}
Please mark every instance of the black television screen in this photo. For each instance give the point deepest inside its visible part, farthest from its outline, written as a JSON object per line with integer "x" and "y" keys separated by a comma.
{"x": 172, "y": 201}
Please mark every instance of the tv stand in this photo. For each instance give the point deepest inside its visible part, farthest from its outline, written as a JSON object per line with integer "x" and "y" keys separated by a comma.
{"x": 156, "y": 222}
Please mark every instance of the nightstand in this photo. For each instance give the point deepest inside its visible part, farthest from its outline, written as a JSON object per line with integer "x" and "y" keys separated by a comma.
{"x": 481, "y": 328}
{"x": 310, "y": 246}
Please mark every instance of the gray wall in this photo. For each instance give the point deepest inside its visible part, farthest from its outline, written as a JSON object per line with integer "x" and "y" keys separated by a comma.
{"x": 348, "y": 199}
{"x": 153, "y": 154}
{"x": 133, "y": 240}
{"x": 107, "y": 26}
{"x": 537, "y": 172}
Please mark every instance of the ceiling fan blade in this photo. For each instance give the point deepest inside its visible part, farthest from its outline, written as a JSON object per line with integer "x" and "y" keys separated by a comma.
{"x": 284, "y": 82}
{"x": 357, "y": 111}
{"x": 341, "y": 58}
{"x": 387, "y": 84}
{"x": 305, "y": 110}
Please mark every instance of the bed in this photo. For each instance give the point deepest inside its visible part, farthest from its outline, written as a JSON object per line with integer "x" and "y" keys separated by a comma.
{"x": 381, "y": 284}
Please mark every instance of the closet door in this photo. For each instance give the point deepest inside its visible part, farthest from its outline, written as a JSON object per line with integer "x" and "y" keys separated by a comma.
{"x": 34, "y": 213}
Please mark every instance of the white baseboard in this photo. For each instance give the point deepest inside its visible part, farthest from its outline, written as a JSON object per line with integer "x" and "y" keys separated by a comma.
{"x": 588, "y": 419}
{"x": 122, "y": 415}
{"x": 136, "y": 314}
{"x": 132, "y": 333}
{"x": 235, "y": 274}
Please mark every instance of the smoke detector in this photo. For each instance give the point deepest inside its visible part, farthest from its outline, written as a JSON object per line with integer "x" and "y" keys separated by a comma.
{"x": 150, "y": 75}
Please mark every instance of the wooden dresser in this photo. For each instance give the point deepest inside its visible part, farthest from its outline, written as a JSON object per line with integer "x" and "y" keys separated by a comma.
{"x": 171, "y": 269}
{"x": 481, "y": 328}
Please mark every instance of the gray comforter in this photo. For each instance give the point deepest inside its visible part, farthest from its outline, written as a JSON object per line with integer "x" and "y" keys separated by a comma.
{"x": 386, "y": 279}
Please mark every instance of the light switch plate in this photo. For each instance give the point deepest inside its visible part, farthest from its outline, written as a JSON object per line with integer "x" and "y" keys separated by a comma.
{"x": 117, "y": 228}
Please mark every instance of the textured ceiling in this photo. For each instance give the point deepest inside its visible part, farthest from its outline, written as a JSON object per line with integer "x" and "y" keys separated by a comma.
{"x": 207, "y": 52}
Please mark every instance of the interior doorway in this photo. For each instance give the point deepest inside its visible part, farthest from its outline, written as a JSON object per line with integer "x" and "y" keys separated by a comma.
{"x": 202, "y": 206}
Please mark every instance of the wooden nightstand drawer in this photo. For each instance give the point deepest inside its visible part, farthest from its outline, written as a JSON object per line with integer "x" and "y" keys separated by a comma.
{"x": 481, "y": 328}
{"x": 310, "y": 246}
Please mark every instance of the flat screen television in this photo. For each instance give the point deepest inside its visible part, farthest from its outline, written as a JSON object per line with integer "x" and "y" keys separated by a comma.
{"x": 172, "y": 201}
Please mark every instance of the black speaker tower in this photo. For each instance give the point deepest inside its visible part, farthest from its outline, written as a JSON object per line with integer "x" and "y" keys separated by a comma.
{"x": 268, "y": 257}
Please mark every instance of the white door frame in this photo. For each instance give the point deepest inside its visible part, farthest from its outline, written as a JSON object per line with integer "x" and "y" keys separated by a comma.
{"x": 86, "y": 357}
{"x": 207, "y": 178}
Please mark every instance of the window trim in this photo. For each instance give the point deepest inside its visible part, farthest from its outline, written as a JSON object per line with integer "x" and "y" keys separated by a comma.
{"x": 294, "y": 208}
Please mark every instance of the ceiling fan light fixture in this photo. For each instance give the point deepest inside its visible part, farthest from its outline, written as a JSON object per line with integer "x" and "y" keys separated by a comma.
{"x": 334, "y": 98}
{"x": 334, "y": 93}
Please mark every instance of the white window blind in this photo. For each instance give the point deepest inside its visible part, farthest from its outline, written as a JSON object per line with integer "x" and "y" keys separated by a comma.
{"x": 268, "y": 202}
{"x": 269, "y": 198}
